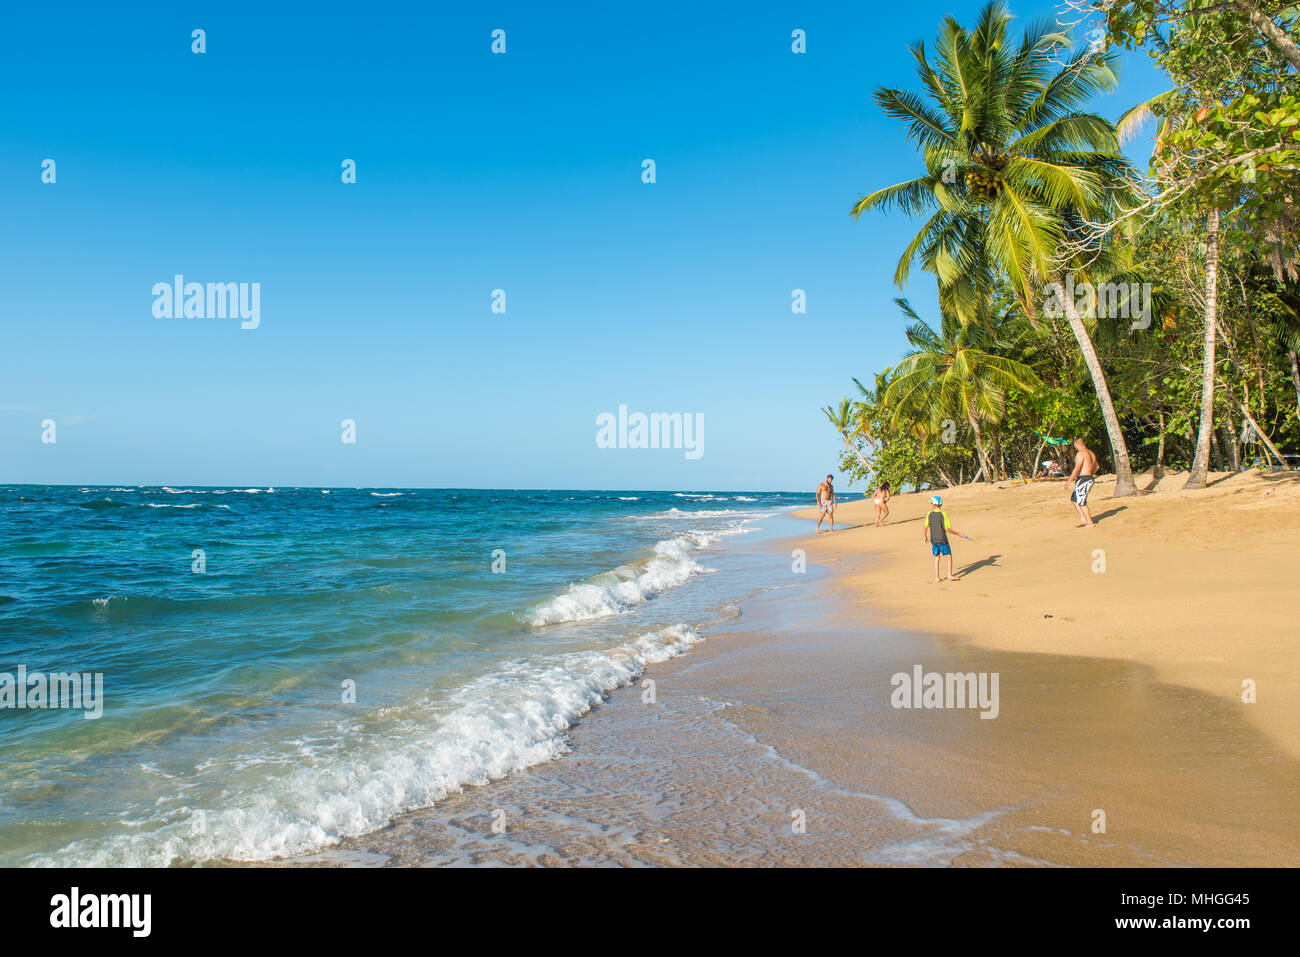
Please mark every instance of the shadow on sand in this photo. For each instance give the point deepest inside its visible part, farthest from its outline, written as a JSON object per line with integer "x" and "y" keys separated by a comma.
{"x": 1114, "y": 511}
{"x": 991, "y": 561}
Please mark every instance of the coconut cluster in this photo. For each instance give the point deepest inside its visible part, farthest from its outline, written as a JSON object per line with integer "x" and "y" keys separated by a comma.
{"x": 983, "y": 183}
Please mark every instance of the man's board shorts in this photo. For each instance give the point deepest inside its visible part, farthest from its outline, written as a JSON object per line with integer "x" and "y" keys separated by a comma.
{"x": 828, "y": 506}
{"x": 944, "y": 549}
{"x": 1082, "y": 486}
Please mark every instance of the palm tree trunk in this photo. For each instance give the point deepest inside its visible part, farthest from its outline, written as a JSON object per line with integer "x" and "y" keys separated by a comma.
{"x": 1124, "y": 484}
{"x": 1158, "y": 472}
{"x": 858, "y": 452}
{"x": 1201, "y": 462}
{"x": 979, "y": 447}
{"x": 1038, "y": 456}
{"x": 1263, "y": 438}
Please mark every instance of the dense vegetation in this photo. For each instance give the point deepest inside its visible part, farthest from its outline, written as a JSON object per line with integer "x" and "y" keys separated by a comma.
{"x": 1155, "y": 313}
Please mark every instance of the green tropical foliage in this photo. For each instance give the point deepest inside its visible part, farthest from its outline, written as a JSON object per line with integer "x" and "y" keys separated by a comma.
{"x": 1024, "y": 197}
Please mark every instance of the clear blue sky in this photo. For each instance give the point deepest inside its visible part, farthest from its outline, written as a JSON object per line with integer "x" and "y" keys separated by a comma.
{"x": 475, "y": 172}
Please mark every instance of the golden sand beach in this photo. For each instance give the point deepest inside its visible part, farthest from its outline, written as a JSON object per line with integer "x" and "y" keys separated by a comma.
{"x": 1121, "y": 692}
{"x": 1197, "y": 585}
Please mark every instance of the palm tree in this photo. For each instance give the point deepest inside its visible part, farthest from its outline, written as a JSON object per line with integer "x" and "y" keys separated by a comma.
{"x": 1013, "y": 168}
{"x": 869, "y": 407}
{"x": 845, "y": 419}
{"x": 954, "y": 373}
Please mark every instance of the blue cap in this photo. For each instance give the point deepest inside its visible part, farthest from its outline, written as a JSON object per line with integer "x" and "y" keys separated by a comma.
{"x": 935, "y": 500}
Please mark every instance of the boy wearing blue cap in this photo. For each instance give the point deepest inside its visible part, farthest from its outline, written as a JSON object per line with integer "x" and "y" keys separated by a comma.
{"x": 936, "y": 532}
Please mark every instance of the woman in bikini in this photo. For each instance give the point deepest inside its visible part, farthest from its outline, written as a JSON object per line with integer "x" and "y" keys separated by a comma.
{"x": 881, "y": 500}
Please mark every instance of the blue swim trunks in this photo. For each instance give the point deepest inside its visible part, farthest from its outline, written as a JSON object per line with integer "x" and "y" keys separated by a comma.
{"x": 944, "y": 549}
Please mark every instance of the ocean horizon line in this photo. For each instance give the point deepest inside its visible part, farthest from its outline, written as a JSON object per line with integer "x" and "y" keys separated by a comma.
{"x": 405, "y": 488}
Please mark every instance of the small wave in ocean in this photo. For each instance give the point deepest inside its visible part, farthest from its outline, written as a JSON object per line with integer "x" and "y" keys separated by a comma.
{"x": 505, "y": 721}
{"x": 282, "y": 672}
{"x": 618, "y": 591}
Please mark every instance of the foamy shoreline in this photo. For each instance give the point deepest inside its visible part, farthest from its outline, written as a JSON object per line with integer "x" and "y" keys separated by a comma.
{"x": 783, "y": 716}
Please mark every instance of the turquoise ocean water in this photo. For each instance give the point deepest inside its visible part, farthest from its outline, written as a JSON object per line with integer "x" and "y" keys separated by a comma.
{"x": 334, "y": 657}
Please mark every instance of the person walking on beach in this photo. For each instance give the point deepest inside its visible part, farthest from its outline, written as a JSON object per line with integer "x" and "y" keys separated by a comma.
{"x": 936, "y": 532}
{"x": 826, "y": 502}
{"x": 881, "y": 500}
{"x": 1081, "y": 480}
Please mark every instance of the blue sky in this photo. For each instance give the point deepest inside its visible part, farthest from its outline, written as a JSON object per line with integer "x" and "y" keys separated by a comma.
{"x": 475, "y": 172}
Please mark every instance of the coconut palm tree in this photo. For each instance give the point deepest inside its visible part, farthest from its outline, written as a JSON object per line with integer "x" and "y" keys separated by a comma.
{"x": 1014, "y": 167}
{"x": 869, "y": 406}
{"x": 953, "y": 373}
{"x": 845, "y": 419}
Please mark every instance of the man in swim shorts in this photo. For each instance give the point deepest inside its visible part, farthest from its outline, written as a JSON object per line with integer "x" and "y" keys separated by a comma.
{"x": 826, "y": 502}
{"x": 1081, "y": 481}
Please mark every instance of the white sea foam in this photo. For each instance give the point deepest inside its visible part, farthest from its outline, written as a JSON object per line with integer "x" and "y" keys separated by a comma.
{"x": 619, "y": 591}
{"x": 502, "y": 722}
{"x": 387, "y": 494}
{"x": 189, "y": 505}
{"x": 701, "y": 513}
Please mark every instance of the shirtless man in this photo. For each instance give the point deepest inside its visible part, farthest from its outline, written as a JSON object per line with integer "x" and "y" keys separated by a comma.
{"x": 826, "y": 502}
{"x": 1081, "y": 479}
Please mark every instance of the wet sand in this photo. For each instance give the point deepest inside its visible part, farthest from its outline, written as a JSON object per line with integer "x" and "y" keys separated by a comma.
{"x": 774, "y": 743}
{"x": 1197, "y": 585}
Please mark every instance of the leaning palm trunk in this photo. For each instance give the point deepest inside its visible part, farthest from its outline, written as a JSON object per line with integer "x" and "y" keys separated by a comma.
{"x": 1124, "y": 484}
{"x": 985, "y": 464}
{"x": 858, "y": 452}
{"x": 1245, "y": 411}
{"x": 1200, "y": 463}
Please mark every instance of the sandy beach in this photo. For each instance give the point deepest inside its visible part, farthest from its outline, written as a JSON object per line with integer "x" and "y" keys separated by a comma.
{"x": 775, "y": 742}
{"x": 1195, "y": 585}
